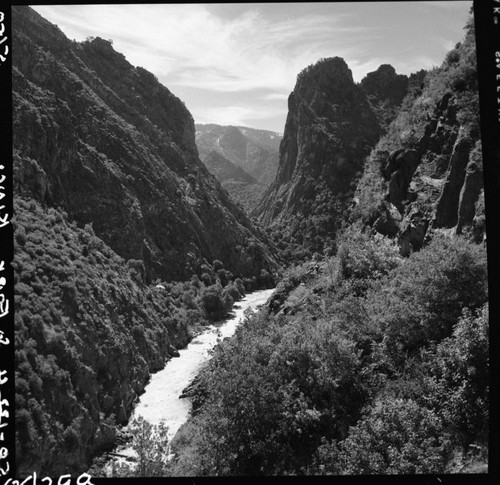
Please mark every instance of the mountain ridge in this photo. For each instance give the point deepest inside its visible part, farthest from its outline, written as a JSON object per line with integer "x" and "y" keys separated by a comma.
{"x": 253, "y": 150}
{"x": 125, "y": 127}
{"x": 113, "y": 204}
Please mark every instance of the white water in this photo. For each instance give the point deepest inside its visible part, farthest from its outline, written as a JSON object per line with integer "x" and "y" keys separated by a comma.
{"x": 160, "y": 401}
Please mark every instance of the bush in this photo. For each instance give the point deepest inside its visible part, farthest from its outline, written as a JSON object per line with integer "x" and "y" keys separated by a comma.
{"x": 151, "y": 444}
{"x": 460, "y": 377}
{"x": 214, "y": 303}
{"x": 397, "y": 436}
{"x": 206, "y": 278}
{"x": 273, "y": 392}
{"x": 362, "y": 258}
{"x": 420, "y": 301}
{"x": 232, "y": 291}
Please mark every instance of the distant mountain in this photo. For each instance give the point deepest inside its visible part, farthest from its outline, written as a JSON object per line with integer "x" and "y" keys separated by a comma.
{"x": 225, "y": 170}
{"x": 256, "y": 151}
{"x": 110, "y": 145}
{"x": 265, "y": 138}
{"x": 240, "y": 185}
{"x": 330, "y": 130}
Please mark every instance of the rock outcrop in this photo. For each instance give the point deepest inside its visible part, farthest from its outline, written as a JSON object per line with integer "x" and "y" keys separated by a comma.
{"x": 385, "y": 91}
{"x": 330, "y": 130}
{"x": 425, "y": 175}
{"x": 113, "y": 147}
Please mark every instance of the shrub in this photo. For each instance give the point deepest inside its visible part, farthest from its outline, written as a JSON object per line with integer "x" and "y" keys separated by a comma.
{"x": 214, "y": 303}
{"x": 232, "y": 291}
{"x": 151, "y": 444}
{"x": 240, "y": 286}
{"x": 362, "y": 258}
{"x": 420, "y": 301}
{"x": 460, "y": 377}
{"x": 397, "y": 436}
{"x": 207, "y": 280}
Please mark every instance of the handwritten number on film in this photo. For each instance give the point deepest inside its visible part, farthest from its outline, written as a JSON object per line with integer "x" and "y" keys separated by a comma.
{"x": 3, "y": 39}
{"x": 4, "y": 302}
{"x": 4, "y": 403}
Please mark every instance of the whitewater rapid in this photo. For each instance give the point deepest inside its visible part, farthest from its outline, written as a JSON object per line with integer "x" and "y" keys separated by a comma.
{"x": 161, "y": 398}
{"x": 160, "y": 401}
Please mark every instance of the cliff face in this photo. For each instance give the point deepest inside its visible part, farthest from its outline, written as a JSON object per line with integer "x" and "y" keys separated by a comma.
{"x": 113, "y": 147}
{"x": 385, "y": 91}
{"x": 425, "y": 175}
{"x": 330, "y": 129}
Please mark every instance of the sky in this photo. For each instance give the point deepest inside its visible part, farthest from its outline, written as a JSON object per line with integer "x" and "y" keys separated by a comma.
{"x": 236, "y": 63}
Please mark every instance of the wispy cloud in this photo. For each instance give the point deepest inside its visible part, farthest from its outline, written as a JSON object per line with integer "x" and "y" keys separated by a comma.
{"x": 244, "y": 51}
{"x": 188, "y": 45}
{"x": 442, "y": 4}
{"x": 275, "y": 96}
{"x": 239, "y": 115}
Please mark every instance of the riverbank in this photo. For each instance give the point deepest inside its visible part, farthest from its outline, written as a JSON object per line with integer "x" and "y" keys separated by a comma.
{"x": 161, "y": 401}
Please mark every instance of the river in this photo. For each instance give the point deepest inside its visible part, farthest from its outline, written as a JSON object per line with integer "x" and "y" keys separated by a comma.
{"x": 160, "y": 400}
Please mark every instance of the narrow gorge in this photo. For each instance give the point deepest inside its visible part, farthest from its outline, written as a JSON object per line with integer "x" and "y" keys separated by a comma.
{"x": 359, "y": 232}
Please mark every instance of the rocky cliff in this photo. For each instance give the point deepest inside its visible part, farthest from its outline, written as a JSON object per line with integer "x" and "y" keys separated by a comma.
{"x": 385, "y": 91}
{"x": 425, "y": 175}
{"x": 110, "y": 145}
{"x": 329, "y": 131}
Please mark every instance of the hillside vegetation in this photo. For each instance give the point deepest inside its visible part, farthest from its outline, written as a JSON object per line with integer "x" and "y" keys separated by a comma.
{"x": 89, "y": 332}
{"x": 366, "y": 363}
{"x": 371, "y": 357}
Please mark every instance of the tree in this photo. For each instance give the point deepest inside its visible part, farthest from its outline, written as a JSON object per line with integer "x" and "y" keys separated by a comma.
{"x": 214, "y": 303}
{"x": 421, "y": 301}
{"x": 151, "y": 445}
{"x": 397, "y": 436}
{"x": 459, "y": 377}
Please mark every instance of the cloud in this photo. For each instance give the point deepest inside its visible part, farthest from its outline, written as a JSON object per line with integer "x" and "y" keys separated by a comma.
{"x": 239, "y": 115}
{"x": 245, "y": 58}
{"x": 443, "y": 4}
{"x": 275, "y": 96}
{"x": 188, "y": 45}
